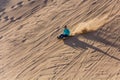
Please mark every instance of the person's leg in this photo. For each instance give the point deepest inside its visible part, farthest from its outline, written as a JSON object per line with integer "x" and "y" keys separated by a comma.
{"x": 61, "y": 36}
{"x": 65, "y": 35}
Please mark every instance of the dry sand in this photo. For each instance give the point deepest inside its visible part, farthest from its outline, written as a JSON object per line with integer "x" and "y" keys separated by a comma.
{"x": 29, "y": 49}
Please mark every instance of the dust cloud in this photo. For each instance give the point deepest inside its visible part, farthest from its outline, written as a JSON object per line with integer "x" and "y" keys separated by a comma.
{"x": 90, "y": 25}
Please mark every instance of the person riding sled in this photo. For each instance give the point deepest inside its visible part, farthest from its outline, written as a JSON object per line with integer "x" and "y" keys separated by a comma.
{"x": 66, "y": 33}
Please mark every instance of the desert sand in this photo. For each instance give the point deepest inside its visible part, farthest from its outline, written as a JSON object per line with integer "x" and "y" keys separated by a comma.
{"x": 29, "y": 49}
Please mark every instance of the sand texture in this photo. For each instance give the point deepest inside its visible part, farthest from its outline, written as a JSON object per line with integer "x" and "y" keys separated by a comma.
{"x": 29, "y": 49}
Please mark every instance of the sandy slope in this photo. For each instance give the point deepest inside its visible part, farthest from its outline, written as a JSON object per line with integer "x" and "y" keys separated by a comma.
{"x": 29, "y": 49}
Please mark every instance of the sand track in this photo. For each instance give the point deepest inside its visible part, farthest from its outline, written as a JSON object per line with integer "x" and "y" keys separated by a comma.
{"x": 29, "y": 49}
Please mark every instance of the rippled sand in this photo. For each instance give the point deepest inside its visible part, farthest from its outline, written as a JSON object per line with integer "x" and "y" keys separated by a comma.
{"x": 29, "y": 49}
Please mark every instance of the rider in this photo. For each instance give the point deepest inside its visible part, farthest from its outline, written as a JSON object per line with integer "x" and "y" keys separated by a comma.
{"x": 66, "y": 32}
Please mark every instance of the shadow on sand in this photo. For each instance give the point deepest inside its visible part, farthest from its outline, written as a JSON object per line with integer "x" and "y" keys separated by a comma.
{"x": 77, "y": 44}
{"x": 3, "y": 4}
{"x": 96, "y": 37}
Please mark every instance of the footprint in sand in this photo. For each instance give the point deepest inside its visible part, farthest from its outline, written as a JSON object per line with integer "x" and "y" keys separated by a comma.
{"x": 13, "y": 7}
{"x": 19, "y": 4}
{"x": 12, "y": 19}
{"x": 6, "y": 18}
{"x": 31, "y": 1}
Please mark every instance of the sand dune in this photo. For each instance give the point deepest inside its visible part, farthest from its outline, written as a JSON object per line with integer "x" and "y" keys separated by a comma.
{"x": 29, "y": 49}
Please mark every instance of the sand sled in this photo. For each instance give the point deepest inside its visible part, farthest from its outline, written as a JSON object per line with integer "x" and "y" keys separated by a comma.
{"x": 63, "y": 38}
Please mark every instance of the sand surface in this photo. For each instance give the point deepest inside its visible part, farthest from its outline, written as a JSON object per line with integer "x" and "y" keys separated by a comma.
{"x": 29, "y": 49}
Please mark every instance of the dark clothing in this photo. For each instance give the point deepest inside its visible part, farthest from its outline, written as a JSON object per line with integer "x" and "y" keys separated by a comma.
{"x": 63, "y": 35}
